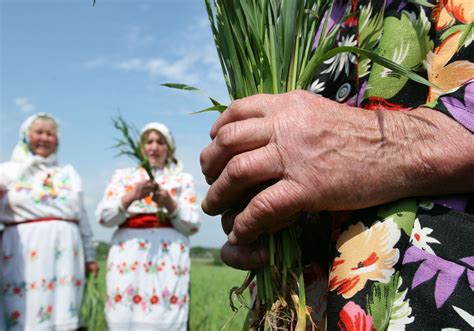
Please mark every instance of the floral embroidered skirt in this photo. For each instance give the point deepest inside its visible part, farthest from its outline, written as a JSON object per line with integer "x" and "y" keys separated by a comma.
{"x": 148, "y": 280}
{"x": 42, "y": 276}
{"x": 407, "y": 265}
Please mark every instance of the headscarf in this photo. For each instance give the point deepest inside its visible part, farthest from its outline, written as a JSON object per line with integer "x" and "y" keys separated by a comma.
{"x": 24, "y": 155}
{"x": 172, "y": 164}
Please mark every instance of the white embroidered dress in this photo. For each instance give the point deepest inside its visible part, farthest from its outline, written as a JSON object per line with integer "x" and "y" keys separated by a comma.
{"x": 148, "y": 269}
{"x": 42, "y": 263}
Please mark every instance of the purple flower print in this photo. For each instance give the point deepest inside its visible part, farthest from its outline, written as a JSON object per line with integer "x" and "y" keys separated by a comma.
{"x": 470, "y": 273}
{"x": 432, "y": 265}
{"x": 464, "y": 113}
{"x": 336, "y": 16}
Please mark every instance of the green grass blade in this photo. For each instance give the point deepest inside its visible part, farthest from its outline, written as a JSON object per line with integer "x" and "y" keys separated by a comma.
{"x": 219, "y": 108}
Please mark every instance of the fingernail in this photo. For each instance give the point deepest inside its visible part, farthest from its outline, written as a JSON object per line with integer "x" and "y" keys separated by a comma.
{"x": 209, "y": 180}
{"x": 204, "y": 205}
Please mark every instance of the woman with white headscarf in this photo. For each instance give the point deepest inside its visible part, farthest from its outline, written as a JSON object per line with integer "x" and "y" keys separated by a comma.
{"x": 47, "y": 241}
{"x": 148, "y": 264}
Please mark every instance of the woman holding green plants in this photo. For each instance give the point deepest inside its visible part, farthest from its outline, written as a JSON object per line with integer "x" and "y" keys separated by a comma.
{"x": 47, "y": 242}
{"x": 148, "y": 264}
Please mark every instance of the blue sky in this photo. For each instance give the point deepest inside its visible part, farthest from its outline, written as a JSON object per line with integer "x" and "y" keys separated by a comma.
{"x": 85, "y": 64}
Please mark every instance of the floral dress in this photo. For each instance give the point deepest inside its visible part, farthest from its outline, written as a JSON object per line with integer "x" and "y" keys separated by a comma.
{"x": 42, "y": 263}
{"x": 148, "y": 269}
{"x": 408, "y": 264}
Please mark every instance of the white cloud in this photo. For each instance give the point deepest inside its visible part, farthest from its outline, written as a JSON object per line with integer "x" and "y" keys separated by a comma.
{"x": 137, "y": 38}
{"x": 24, "y": 104}
{"x": 132, "y": 64}
{"x": 178, "y": 70}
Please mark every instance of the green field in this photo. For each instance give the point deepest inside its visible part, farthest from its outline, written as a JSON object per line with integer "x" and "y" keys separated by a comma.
{"x": 210, "y": 284}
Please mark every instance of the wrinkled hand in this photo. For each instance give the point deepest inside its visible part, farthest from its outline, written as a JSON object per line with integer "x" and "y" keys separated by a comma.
{"x": 163, "y": 198}
{"x": 245, "y": 257}
{"x": 295, "y": 152}
{"x": 92, "y": 268}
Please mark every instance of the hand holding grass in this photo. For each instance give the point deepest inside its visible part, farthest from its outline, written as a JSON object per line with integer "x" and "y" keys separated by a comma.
{"x": 140, "y": 191}
{"x": 314, "y": 154}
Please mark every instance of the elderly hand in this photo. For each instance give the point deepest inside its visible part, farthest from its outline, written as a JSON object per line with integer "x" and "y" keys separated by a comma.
{"x": 140, "y": 190}
{"x": 273, "y": 156}
{"x": 92, "y": 268}
{"x": 163, "y": 198}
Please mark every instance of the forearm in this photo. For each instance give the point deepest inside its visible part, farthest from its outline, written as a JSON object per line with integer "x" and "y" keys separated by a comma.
{"x": 437, "y": 152}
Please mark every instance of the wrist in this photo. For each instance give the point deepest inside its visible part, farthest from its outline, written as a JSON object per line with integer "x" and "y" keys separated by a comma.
{"x": 437, "y": 153}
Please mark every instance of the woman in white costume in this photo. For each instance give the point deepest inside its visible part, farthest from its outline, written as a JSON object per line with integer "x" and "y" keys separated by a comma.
{"x": 148, "y": 264}
{"x": 47, "y": 242}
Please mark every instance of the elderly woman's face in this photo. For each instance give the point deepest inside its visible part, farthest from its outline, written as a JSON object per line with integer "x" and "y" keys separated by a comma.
{"x": 155, "y": 149}
{"x": 43, "y": 137}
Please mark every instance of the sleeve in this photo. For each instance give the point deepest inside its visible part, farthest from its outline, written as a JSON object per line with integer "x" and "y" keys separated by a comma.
{"x": 84, "y": 226}
{"x": 3, "y": 178}
{"x": 185, "y": 218}
{"x": 110, "y": 211}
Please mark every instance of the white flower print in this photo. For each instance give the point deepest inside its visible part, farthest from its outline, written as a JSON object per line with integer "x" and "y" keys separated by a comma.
{"x": 341, "y": 61}
{"x": 398, "y": 57}
{"x": 317, "y": 86}
{"x": 400, "y": 315}
{"x": 420, "y": 237}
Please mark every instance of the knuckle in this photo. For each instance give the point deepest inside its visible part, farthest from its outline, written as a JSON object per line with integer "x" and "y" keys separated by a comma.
{"x": 242, "y": 228}
{"x": 226, "y": 137}
{"x": 238, "y": 168}
{"x": 203, "y": 161}
{"x": 261, "y": 207}
{"x": 234, "y": 106}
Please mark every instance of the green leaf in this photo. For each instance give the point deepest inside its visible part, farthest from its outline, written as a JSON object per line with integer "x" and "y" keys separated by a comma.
{"x": 467, "y": 32}
{"x": 185, "y": 87}
{"x": 401, "y": 212}
{"x": 395, "y": 67}
{"x": 424, "y": 3}
{"x": 182, "y": 87}
{"x": 220, "y": 108}
{"x": 388, "y": 306}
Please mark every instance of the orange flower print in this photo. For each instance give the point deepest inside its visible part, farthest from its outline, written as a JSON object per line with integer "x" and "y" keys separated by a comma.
{"x": 128, "y": 188}
{"x": 446, "y": 76}
{"x": 366, "y": 254}
{"x": 192, "y": 199}
{"x": 174, "y": 299}
{"x": 33, "y": 255}
{"x": 148, "y": 200}
{"x": 173, "y": 192}
{"x": 447, "y": 12}
{"x": 118, "y": 298}
{"x": 462, "y": 10}
{"x": 110, "y": 194}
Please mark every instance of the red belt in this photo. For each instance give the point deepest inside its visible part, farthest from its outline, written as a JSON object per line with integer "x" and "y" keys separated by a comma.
{"x": 146, "y": 221}
{"x": 42, "y": 219}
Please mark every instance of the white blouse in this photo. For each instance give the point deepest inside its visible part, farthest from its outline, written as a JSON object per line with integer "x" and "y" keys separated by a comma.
{"x": 44, "y": 191}
{"x": 184, "y": 219}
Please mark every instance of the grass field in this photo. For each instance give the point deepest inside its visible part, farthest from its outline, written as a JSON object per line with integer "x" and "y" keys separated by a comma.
{"x": 209, "y": 305}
